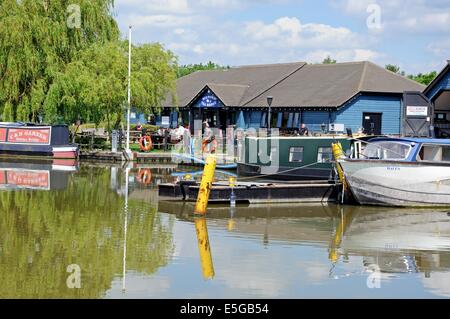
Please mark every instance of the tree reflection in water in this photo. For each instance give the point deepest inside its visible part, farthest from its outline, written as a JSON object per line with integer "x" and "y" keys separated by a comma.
{"x": 41, "y": 233}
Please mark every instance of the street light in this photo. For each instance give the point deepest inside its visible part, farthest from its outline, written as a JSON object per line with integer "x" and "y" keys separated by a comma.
{"x": 269, "y": 102}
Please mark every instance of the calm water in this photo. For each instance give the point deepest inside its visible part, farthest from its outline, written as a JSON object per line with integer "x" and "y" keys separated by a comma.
{"x": 126, "y": 243}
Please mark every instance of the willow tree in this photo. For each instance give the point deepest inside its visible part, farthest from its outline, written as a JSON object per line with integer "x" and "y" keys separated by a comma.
{"x": 38, "y": 38}
{"x": 94, "y": 86}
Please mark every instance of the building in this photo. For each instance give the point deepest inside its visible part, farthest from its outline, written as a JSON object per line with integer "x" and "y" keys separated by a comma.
{"x": 438, "y": 92}
{"x": 357, "y": 95}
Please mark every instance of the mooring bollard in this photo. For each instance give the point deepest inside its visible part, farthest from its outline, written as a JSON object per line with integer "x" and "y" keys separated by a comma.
{"x": 204, "y": 248}
{"x": 206, "y": 185}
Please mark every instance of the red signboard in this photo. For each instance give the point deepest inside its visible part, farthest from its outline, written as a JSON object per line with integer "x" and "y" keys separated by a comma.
{"x": 29, "y": 135}
{"x": 2, "y": 134}
{"x": 28, "y": 179}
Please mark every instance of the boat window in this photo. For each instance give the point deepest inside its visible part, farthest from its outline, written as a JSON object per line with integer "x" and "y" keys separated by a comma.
{"x": 296, "y": 154}
{"x": 434, "y": 153}
{"x": 325, "y": 155}
{"x": 387, "y": 150}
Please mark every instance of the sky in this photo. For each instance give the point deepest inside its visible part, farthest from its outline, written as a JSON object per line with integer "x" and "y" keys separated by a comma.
{"x": 414, "y": 34}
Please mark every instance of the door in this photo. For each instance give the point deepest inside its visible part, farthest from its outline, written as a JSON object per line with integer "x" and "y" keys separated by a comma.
{"x": 372, "y": 123}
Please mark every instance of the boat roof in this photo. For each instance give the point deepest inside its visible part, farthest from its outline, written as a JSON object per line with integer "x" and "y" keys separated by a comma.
{"x": 413, "y": 140}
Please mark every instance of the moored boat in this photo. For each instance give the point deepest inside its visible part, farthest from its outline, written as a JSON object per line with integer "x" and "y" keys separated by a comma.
{"x": 290, "y": 158}
{"x": 24, "y": 139}
{"x": 404, "y": 172}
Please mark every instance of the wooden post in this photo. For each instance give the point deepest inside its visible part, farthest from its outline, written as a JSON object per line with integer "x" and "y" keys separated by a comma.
{"x": 206, "y": 185}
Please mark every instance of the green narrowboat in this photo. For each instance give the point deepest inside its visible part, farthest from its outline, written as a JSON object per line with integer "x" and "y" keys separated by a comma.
{"x": 289, "y": 158}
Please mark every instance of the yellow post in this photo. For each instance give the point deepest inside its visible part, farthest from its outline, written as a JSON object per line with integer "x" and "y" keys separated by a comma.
{"x": 338, "y": 153}
{"x": 206, "y": 185}
{"x": 204, "y": 248}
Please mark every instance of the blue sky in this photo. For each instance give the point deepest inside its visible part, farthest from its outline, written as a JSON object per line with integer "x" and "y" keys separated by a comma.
{"x": 414, "y": 34}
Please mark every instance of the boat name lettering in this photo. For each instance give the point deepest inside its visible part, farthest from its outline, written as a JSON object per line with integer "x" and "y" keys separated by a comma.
{"x": 391, "y": 168}
{"x": 37, "y": 136}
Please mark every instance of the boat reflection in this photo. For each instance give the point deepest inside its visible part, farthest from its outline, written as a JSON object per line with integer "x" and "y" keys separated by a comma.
{"x": 35, "y": 175}
{"x": 397, "y": 240}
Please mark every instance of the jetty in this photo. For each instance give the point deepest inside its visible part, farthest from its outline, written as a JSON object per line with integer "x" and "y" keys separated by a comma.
{"x": 254, "y": 192}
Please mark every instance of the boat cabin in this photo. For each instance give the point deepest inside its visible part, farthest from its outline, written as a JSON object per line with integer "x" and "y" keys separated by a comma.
{"x": 408, "y": 150}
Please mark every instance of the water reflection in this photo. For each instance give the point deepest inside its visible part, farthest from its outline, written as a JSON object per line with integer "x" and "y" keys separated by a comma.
{"x": 110, "y": 222}
{"x": 45, "y": 175}
{"x": 204, "y": 247}
{"x": 43, "y": 232}
{"x": 397, "y": 240}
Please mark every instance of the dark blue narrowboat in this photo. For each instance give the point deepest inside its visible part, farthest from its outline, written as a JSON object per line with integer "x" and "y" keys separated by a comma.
{"x": 25, "y": 139}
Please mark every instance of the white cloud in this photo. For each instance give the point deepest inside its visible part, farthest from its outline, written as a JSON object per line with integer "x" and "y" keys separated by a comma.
{"x": 414, "y": 16}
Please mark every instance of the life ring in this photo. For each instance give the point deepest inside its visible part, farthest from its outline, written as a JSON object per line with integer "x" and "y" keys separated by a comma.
{"x": 145, "y": 143}
{"x": 213, "y": 144}
{"x": 144, "y": 176}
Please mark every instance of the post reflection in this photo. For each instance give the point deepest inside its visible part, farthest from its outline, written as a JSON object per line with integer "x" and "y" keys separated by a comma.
{"x": 204, "y": 248}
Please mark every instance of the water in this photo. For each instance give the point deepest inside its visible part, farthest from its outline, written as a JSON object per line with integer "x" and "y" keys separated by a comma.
{"x": 78, "y": 216}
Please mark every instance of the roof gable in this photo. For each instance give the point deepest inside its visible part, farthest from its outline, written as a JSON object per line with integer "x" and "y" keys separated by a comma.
{"x": 431, "y": 90}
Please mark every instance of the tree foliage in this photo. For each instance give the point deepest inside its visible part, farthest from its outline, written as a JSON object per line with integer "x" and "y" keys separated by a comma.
{"x": 329, "y": 60}
{"x": 184, "y": 70}
{"x": 423, "y": 78}
{"x": 94, "y": 86}
{"x": 53, "y": 70}
{"x": 36, "y": 43}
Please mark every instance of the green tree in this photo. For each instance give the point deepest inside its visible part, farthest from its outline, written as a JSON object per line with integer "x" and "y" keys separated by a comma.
{"x": 184, "y": 70}
{"x": 395, "y": 68}
{"x": 94, "y": 86}
{"x": 37, "y": 42}
{"x": 329, "y": 60}
{"x": 424, "y": 78}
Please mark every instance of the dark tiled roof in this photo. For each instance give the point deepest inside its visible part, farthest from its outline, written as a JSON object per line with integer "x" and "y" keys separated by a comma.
{"x": 293, "y": 84}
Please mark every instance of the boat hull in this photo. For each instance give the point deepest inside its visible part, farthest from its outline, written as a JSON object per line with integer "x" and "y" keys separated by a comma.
{"x": 36, "y": 141}
{"x": 283, "y": 173}
{"x": 400, "y": 184}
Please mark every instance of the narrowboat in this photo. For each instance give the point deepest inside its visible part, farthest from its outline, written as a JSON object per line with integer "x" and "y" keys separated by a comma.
{"x": 290, "y": 158}
{"x": 25, "y": 139}
{"x": 401, "y": 172}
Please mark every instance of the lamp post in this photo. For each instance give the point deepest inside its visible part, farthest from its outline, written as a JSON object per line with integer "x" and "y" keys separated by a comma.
{"x": 269, "y": 117}
{"x": 129, "y": 93}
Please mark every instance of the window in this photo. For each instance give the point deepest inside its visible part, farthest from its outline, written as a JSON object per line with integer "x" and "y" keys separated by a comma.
{"x": 440, "y": 116}
{"x": 325, "y": 155}
{"x": 296, "y": 154}
{"x": 434, "y": 153}
{"x": 387, "y": 150}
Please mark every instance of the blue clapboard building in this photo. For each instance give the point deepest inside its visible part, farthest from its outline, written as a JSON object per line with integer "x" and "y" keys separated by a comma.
{"x": 360, "y": 96}
{"x": 438, "y": 92}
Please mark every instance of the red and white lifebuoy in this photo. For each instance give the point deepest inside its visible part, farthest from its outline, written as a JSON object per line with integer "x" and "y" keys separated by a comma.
{"x": 144, "y": 176}
{"x": 145, "y": 143}
{"x": 212, "y": 144}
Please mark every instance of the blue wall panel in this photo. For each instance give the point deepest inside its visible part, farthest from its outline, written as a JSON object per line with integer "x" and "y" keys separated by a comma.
{"x": 443, "y": 84}
{"x": 351, "y": 115}
{"x": 314, "y": 120}
{"x": 254, "y": 119}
